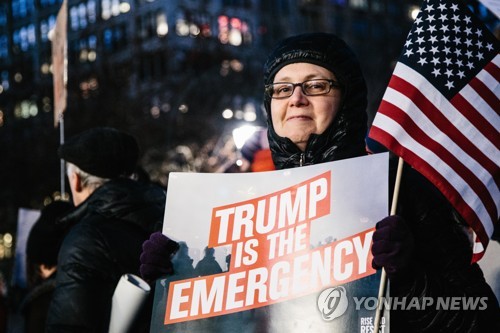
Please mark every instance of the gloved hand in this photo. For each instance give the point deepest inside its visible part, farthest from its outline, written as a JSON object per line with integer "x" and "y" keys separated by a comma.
{"x": 156, "y": 256}
{"x": 393, "y": 246}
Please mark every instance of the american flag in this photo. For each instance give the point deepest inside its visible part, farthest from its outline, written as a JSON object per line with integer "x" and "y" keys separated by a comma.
{"x": 441, "y": 111}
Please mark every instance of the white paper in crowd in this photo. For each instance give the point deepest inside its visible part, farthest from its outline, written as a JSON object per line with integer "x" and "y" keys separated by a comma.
{"x": 128, "y": 298}
{"x": 25, "y": 221}
{"x": 491, "y": 267}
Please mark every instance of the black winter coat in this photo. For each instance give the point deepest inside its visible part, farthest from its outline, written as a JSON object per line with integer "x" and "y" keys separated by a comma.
{"x": 35, "y": 305}
{"x": 104, "y": 242}
{"x": 441, "y": 265}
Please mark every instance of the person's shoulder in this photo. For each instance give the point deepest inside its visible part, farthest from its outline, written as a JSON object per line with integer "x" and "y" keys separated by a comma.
{"x": 84, "y": 235}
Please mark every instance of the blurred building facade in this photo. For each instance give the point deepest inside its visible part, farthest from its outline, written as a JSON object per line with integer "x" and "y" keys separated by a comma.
{"x": 162, "y": 54}
{"x": 167, "y": 71}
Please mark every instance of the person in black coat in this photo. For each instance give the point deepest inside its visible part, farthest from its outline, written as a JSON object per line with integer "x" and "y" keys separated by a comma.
{"x": 42, "y": 248}
{"x": 114, "y": 215}
{"x": 316, "y": 99}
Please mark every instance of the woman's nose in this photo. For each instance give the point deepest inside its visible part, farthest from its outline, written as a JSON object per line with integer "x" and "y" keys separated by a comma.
{"x": 298, "y": 97}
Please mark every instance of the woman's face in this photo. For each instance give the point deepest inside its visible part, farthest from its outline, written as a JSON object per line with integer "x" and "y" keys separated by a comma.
{"x": 299, "y": 116}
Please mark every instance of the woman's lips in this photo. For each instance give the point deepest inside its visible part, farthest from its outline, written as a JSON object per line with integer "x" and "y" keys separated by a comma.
{"x": 299, "y": 118}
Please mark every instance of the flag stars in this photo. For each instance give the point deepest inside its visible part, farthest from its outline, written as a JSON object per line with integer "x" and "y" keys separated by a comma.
{"x": 408, "y": 52}
{"x": 442, "y": 7}
{"x": 445, "y": 44}
{"x": 422, "y": 61}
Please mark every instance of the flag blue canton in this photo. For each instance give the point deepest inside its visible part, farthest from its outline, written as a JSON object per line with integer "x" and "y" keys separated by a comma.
{"x": 448, "y": 46}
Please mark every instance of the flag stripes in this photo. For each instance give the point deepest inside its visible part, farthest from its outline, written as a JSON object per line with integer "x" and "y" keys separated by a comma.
{"x": 451, "y": 143}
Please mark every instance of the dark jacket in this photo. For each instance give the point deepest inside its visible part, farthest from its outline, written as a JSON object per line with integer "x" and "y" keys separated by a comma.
{"x": 104, "y": 242}
{"x": 441, "y": 266}
{"x": 35, "y": 305}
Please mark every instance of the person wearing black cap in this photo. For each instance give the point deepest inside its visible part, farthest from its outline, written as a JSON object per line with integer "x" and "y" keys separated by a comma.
{"x": 114, "y": 215}
{"x": 315, "y": 99}
{"x": 42, "y": 248}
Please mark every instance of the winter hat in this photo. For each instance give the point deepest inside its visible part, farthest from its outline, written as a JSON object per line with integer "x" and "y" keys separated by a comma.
{"x": 103, "y": 152}
{"x": 320, "y": 49}
{"x": 45, "y": 238}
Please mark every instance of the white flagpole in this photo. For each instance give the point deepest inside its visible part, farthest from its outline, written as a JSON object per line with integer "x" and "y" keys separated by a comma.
{"x": 60, "y": 76}
{"x": 383, "y": 277}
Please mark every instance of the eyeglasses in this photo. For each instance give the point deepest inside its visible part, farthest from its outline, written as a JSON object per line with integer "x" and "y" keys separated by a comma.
{"x": 281, "y": 90}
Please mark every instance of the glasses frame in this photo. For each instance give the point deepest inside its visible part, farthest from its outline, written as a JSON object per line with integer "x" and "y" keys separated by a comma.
{"x": 269, "y": 88}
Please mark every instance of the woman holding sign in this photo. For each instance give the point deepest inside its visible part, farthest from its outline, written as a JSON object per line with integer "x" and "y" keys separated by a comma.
{"x": 316, "y": 102}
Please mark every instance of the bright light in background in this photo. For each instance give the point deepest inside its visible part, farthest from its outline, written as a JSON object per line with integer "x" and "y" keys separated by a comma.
{"x": 181, "y": 27}
{"x": 249, "y": 112}
{"x": 413, "y": 12}
{"x": 194, "y": 30}
{"x": 161, "y": 25}
{"x": 227, "y": 114}
{"x": 124, "y": 7}
{"x": 235, "y": 37}
{"x": 242, "y": 134}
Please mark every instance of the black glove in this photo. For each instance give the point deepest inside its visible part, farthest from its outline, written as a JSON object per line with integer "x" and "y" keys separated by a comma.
{"x": 156, "y": 256}
{"x": 393, "y": 246}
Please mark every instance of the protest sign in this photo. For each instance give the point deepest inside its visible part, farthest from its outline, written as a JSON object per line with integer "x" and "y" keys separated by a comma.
{"x": 277, "y": 251}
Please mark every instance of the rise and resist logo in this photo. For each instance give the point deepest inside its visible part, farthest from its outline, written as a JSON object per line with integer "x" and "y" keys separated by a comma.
{"x": 272, "y": 259}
